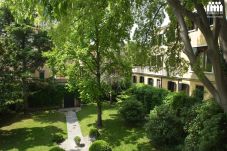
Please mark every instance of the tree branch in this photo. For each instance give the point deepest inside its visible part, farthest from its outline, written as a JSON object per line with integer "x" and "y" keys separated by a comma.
{"x": 188, "y": 47}
{"x": 150, "y": 23}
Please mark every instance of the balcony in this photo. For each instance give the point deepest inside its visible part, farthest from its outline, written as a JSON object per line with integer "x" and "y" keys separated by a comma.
{"x": 146, "y": 70}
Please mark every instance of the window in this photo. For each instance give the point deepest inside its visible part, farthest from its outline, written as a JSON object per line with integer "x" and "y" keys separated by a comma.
{"x": 134, "y": 79}
{"x": 159, "y": 83}
{"x": 205, "y": 63}
{"x": 199, "y": 92}
{"x": 183, "y": 88}
{"x": 210, "y": 20}
{"x": 42, "y": 75}
{"x": 150, "y": 81}
{"x": 141, "y": 79}
{"x": 171, "y": 86}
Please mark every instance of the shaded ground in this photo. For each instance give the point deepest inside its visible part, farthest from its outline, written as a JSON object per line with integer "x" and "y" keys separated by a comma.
{"x": 32, "y": 132}
{"x": 115, "y": 132}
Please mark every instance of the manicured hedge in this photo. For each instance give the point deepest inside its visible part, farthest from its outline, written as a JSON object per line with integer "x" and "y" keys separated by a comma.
{"x": 100, "y": 145}
{"x": 44, "y": 94}
{"x": 57, "y": 149}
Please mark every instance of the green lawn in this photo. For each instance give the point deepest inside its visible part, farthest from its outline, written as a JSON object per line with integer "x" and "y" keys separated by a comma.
{"x": 115, "y": 132}
{"x": 32, "y": 132}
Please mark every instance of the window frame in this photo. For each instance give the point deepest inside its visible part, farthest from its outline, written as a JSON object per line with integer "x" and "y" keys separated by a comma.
{"x": 148, "y": 81}
{"x": 141, "y": 80}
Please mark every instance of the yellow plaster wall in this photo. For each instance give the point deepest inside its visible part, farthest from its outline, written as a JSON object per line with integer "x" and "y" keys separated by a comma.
{"x": 47, "y": 72}
{"x": 192, "y": 84}
{"x": 197, "y": 38}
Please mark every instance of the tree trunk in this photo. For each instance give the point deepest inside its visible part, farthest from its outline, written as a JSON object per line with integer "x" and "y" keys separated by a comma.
{"x": 98, "y": 80}
{"x": 25, "y": 95}
{"x": 99, "y": 103}
{"x": 220, "y": 91}
{"x": 111, "y": 97}
{"x": 99, "y": 115}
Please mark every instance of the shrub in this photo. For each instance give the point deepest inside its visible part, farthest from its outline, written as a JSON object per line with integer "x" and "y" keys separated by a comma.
{"x": 208, "y": 131}
{"x": 149, "y": 96}
{"x": 165, "y": 127}
{"x": 77, "y": 140}
{"x": 182, "y": 106}
{"x": 57, "y": 138}
{"x": 45, "y": 94}
{"x": 57, "y": 149}
{"x": 94, "y": 133}
{"x": 132, "y": 111}
{"x": 100, "y": 145}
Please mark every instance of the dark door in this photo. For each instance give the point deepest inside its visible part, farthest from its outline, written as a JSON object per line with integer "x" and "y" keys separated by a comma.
{"x": 171, "y": 86}
{"x": 41, "y": 75}
{"x": 69, "y": 100}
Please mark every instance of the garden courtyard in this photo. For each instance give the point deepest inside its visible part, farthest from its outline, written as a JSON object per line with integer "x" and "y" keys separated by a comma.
{"x": 34, "y": 132}
{"x": 119, "y": 135}
{"x": 113, "y": 75}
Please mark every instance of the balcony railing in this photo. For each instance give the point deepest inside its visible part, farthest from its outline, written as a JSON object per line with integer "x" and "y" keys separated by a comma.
{"x": 146, "y": 70}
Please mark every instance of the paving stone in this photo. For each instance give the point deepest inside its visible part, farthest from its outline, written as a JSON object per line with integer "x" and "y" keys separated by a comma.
{"x": 73, "y": 130}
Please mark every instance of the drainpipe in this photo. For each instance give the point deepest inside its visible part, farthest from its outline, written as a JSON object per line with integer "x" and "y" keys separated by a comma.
{"x": 178, "y": 85}
{"x": 161, "y": 82}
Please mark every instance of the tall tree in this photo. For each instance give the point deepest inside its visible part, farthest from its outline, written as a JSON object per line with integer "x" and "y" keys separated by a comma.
{"x": 9, "y": 87}
{"x": 88, "y": 36}
{"x": 21, "y": 52}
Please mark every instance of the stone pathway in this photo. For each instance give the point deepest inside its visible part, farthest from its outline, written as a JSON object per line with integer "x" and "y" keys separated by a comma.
{"x": 73, "y": 129}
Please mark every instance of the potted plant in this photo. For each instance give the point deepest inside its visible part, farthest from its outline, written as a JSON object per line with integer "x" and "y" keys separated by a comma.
{"x": 94, "y": 134}
{"x": 77, "y": 140}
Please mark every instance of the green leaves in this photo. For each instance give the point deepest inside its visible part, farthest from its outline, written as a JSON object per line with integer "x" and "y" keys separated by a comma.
{"x": 155, "y": 45}
{"x": 207, "y": 131}
{"x": 20, "y": 54}
{"x": 89, "y": 39}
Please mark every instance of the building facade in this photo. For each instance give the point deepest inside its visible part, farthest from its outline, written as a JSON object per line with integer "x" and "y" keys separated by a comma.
{"x": 186, "y": 83}
{"x": 44, "y": 73}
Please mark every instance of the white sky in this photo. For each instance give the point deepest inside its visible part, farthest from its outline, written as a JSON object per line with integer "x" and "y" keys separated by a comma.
{"x": 166, "y": 20}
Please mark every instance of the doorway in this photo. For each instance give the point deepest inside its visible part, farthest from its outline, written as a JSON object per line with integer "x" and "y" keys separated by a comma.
{"x": 68, "y": 100}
